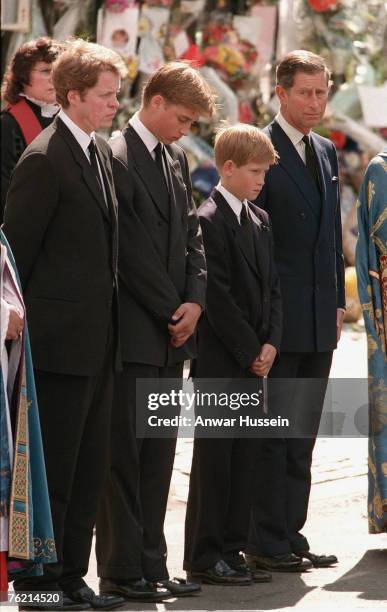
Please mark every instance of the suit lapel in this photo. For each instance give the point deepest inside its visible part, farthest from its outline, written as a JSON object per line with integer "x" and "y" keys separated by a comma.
{"x": 108, "y": 182}
{"x": 260, "y": 243}
{"x": 232, "y": 222}
{"x": 325, "y": 173}
{"x": 293, "y": 165}
{"x": 148, "y": 171}
{"x": 178, "y": 197}
{"x": 87, "y": 171}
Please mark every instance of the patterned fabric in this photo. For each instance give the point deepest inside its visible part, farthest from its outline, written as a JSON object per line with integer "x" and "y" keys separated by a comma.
{"x": 31, "y": 537}
{"x": 371, "y": 265}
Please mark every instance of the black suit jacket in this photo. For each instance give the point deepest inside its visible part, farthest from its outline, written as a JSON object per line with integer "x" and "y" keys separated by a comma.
{"x": 243, "y": 309}
{"x": 307, "y": 242}
{"x": 64, "y": 239}
{"x": 161, "y": 255}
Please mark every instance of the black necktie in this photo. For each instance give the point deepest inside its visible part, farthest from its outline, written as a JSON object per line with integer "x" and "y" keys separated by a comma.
{"x": 159, "y": 161}
{"x": 310, "y": 161}
{"x": 94, "y": 163}
{"x": 247, "y": 230}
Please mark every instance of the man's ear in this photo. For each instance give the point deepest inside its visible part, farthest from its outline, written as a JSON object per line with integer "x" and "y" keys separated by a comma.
{"x": 281, "y": 94}
{"x": 73, "y": 97}
{"x": 157, "y": 102}
{"x": 228, "y": 168}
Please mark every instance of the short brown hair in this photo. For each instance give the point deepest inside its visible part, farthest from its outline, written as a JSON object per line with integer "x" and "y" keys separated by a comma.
{"x": 180, "y": 83}
{"x": 80, "y": 65}
{"x": 300, "y": 61}
{"x": 243, "y": 144}
{"x": 26, "y": 57}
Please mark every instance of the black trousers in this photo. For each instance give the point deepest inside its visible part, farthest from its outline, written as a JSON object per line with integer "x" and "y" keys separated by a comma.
{"x": 219, "y": 501}
{"x": 130, "y": 525}
{"x": 75, "y": 421}
{"x": 283, "y": 466}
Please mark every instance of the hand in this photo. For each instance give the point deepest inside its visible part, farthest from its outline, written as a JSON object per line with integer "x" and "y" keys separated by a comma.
{"x": 339, "y": 322}
{"x": 15, "y": 325}
{"x": 187, "y": 316}
{"x": 262, "y": 363}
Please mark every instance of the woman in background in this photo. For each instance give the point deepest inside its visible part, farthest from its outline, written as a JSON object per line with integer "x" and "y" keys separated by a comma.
{"x": 31, "y": 106}
{"x": 371, "y": 266}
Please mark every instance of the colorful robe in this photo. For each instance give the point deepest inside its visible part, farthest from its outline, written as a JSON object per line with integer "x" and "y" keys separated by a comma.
{"x": 23, "y": 491}
{"x": 371, "y": 266}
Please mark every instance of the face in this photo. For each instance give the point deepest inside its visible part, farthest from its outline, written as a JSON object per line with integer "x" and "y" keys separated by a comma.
{"x": 303, "y": 105}
{"x": 97, "y": 106}
{"x": 244, "y": 182}
{"x": 40, "y": 86}
{"x": 169, "y": 122}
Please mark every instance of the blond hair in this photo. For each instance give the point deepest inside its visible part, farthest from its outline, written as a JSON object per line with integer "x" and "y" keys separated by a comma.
{"x": 79, "y": 66}
{"x": 180, "y": 83}
{"x": 243, "y": 144}
{"x": 300, "y": 61}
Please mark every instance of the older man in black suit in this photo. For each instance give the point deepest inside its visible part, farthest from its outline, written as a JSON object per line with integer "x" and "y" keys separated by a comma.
{"x": 60, "y": 219}
{"x": 162, "y": 292}
{"x": 301, "y": 195}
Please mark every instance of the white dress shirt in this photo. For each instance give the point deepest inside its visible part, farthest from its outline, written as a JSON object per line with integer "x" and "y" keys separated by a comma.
{"x": 232, "y": 201}
{"x": 149, "y": 139}
{"x": 293, "y": 134}
{"x": 83, "y": 139}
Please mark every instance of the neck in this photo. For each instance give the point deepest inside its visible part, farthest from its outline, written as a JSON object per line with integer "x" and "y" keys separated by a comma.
{"x": 303, "y": 130}
{"x": 81, "y": 124}
{"x": 146, "y": 119}
{"x": 230, "y": 189}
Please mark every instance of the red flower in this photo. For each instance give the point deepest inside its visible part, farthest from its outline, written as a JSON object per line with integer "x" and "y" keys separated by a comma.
{"x": 321, "y": 6}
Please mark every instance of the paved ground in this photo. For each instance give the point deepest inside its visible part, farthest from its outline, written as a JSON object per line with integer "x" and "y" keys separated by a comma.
{"x": 337, "y": 524}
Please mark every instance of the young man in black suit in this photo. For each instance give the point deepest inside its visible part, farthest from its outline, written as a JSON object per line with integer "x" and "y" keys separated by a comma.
{"x": 301, "y": 195}
{"x": 162, "y": 292}
{"x": 238, "y": 337}
{"x": 60, "y": 219}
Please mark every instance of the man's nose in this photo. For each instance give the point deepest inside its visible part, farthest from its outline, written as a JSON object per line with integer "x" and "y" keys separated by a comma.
{"x": 184, "y": 130}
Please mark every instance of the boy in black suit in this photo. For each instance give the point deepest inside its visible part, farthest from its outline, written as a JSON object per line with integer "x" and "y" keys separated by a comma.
{"x": 163, "y": 283}
{"x": 238, "y": 337}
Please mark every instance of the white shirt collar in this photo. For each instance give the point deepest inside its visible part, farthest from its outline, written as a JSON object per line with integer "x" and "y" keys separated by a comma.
{"x": 234, "y": 203}
{"x": 46, "y": 110}
{"x": 291, "y": 132}
{"x": 149, "y": 139}
{"x": 81, "y": 137}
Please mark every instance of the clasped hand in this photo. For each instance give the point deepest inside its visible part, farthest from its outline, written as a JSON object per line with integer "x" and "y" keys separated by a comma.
{"x": 186, "y": 317}
{"x": 262, "y": 363}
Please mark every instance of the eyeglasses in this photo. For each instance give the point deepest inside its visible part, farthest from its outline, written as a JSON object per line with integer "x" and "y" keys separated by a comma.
{"x": 45, "y": 71}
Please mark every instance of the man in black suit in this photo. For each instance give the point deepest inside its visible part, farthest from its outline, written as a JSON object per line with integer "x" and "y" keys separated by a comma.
{"x": 301, "y": 195}
{"x": 60, "y": 219}
{"x": 238, "y": 338}
{"x": 162, "y": 292}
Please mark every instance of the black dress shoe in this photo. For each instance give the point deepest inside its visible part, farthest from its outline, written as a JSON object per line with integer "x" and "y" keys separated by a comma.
{"x": 98, "y": 602}
{"x": 256, "y": 575}
{"x": 318, "y": 560}
{"x": 278, "y": 563}
{"x": 222, "y": 574}
{"x": 179, "y": 587}
{"x": 67, "y": 604}
{"x": 134, "y": 590}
